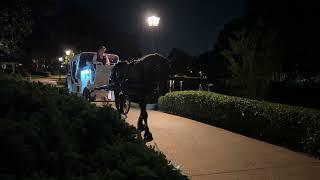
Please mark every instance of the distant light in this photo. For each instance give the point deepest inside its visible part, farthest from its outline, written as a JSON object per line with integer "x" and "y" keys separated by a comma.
{"x": 60, "y": 59}
{"x": 153, "y": 21}
{"x": 61, "y": 66}
{"x": 68, "y": 52}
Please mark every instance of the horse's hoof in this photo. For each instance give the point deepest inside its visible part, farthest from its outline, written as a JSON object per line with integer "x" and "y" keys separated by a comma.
{"x": 148, "y": 136}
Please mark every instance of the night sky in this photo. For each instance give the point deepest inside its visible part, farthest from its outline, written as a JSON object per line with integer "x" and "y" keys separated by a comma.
{"x": 192, "y": 26}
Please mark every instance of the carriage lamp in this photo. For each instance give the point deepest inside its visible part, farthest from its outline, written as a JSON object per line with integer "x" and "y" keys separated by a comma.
{"x": 85, "y": 78}
{"x": 60, "y": 59}
{"x": 153, "y": 21}
{"x": 86, "y": 71}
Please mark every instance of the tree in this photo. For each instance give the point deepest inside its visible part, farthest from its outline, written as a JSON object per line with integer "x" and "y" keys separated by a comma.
{"x": 214, "y": 63}
{"x": 16, "y": 24}
{"x": 297, "y": 28}
{"x": 181, "y": 60}
{"x": 18, "y": 19}
{"x": 251, "y": 60}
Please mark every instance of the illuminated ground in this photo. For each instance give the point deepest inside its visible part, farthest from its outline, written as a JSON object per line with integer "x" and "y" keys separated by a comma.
{"x": 207, "y": 152}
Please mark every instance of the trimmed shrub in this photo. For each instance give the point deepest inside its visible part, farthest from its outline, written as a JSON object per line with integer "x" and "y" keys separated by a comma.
{"x": 45, "y": 133}
{"x": 294, "y": 127}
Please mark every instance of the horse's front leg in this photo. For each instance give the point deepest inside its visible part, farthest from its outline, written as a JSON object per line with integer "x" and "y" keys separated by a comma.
{"x": 143, "y": 122}
{"x": 143, "y": 115}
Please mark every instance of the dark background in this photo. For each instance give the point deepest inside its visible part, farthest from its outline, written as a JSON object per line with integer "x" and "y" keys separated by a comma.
{"x": 180, "y": 20}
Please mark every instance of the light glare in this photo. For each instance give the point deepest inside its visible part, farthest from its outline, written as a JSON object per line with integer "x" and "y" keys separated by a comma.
{"x": 68, "y": 52}
{"x": 153, "y": 21}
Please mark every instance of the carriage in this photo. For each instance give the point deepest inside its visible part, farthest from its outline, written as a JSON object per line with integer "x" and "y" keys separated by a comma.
{"x": 86, "y": 75}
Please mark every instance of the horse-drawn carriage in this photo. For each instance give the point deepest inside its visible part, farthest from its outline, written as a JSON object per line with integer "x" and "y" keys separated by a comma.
{"x": 86, "y": 75}
{"x": 138, "y": 81}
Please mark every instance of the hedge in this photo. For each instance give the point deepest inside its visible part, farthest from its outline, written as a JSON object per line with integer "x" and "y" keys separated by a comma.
{"x": 45, "y": 133}
{"x": 294, "y": 127}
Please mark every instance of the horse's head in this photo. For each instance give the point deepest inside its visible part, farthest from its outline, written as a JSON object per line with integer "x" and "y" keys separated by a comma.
{"x": 119, "y": 71}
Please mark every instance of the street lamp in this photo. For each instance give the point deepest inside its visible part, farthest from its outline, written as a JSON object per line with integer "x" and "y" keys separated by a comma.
{"x": 153, "y": 22}
{"x": 68, "y": 52}
{"x": 60, "y": 60}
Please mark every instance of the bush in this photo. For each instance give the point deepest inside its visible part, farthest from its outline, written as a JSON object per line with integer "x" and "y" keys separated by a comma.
{"x": 45, "y": 133}
{"x": 293, "y": 127}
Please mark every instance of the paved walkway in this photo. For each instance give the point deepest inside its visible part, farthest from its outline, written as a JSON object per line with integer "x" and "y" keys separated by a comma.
{"x": 48, "y": 80}
{"x": 208, "y": 153}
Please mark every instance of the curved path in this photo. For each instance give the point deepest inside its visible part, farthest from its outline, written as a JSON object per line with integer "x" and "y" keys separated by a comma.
{"x": 205, "y": 152}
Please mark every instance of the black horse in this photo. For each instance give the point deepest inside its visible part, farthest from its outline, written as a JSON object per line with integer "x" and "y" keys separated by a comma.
{"x": 140, "y": 79}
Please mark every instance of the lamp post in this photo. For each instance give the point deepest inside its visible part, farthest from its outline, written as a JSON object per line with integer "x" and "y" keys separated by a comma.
{"x": 60, "y": 60}
{"x": 67, "y": 58}
{"x": 153, "y": 22}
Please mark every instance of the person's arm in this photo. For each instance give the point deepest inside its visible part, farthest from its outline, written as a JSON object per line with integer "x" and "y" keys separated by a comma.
{"x": 107, "y": 59}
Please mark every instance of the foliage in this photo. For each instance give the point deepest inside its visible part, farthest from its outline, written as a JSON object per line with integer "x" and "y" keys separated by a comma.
{"x": 304, "y": 92}
{"x": 180, "y": 60}
{"x": 15, "y": 25}
{"x": 285, "y": 46}
{"x": 298, "y": 32}
{"x": 17, "y": 22}
{"x": 252, "y": 60}
{"x": 217, "y": 65}
{"x": 45, "y": 133}
{"x": 290, "y": 126}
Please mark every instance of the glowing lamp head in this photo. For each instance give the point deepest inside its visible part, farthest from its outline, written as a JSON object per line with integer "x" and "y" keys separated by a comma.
{"x": 68, "y": 52}
{"x": 60, "y": 59}
{"x": 153, "y": 21}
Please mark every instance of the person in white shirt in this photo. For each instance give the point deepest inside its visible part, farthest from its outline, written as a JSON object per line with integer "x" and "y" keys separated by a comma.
{"x": 102, "y": 56}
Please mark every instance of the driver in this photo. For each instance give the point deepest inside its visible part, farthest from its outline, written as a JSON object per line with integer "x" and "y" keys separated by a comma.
{"x": 102, "y": 56}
